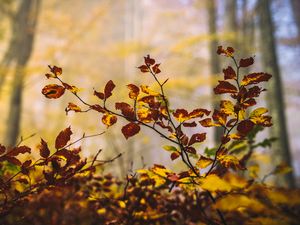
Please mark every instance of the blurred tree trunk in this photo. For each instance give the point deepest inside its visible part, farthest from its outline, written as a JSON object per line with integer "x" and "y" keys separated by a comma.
{"x": 296, "y": 11}
{"x": 214, "y": 59}
{"x": 230, "y": 24}
{"x": 275, "y": 94}
{"x": 19, "y": 52}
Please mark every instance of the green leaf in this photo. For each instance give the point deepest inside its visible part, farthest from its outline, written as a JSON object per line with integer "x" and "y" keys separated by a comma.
{"x": 210, "y": 151}
{"x": 170, "y": 148}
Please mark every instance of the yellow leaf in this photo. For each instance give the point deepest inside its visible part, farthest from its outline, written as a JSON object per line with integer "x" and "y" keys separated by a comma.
{"x": 109, "y": 119}
{"x": 214, "y": 183}
{"x": 230, "y": 161}
{"x": 144, "y": 115}
{"x": 148, "y": 91}
{"x": 238, "y": 202}
{"x": 122, "y": 204}
{"x": 169, "y": 148}
{"x": 227, "y": 107}
{"x": 204, "y": 162}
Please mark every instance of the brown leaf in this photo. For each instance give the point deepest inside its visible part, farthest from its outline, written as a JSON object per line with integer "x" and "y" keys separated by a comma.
{"x": 255, "y": 78}
{"x": 227, "y": 52}
{"x": 198, "y": 113}
{"x": 149, "y": 61}
{"x": 2, "y": 149}
{"x": 130, "y": 130}
{"x": 196, "y": 138}
{"x": 126, "y": 110}
{"x": 225, "y": 87}
{"x": 181, "y": 115}
{"x": 19, "y": 150}
{"x": 63, "y": 138}
{"x": 155, "y": 69}
{"x": 53, "y": 91}
{"x": 175, "y": 155}
{"x": 229, "y": 73}
{"x": 44, "y": 150}
{"x": 72, "y": 107}
{"x": 246, "y": 62}
{"x": 108, "y": 89}
{"x": 109, "y": 119}
{"x": 55, "y": 70}
{"x": 134, "y": 91}
{"x": 99, "y": 95}
{"x": 245, "y": 126}
{"x": 144, "y": 68}
{"x": 189, "y": 124}
{"x": 98, "y": 108}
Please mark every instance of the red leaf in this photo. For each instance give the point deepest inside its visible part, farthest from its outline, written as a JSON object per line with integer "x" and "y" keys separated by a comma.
{"x": 225, "y": 87}
{"x": 149, "y": 61}
{"x": 130, "y": 130}
{"x": 63, "y": 138}
{"x": 255, "y": 78}
{"x": 155, "y": 69}
{"x": 245, "y": 126}
{"x": 53, "y": 91}
{"x": 44, "y": 150}
{"x": 108, "y": 88}
{"x": 199, "y": 137}
{"x": 246, "y": 62}
{"x": 175, "y": 155}
{"x": 229, "y": 73}
{"x": 144, "y": 68}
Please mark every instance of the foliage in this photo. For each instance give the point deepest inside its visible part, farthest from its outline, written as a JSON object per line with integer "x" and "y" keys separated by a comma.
{"x": 217, "y": 187}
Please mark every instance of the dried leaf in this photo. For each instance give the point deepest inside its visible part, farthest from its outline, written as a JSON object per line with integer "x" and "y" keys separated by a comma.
{"x": 53, "y": 91}
{"x": 130, "y": 130}
{"x": 63, "y": 138}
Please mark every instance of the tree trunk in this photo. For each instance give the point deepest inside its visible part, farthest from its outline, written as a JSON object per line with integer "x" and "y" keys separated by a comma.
{"x": 24, "y": 25}
{"x": 296, "y": 11}
{"x": 275, "y": 94}
{"x": 230, "y": 24}
{"x": 214, "y": 59}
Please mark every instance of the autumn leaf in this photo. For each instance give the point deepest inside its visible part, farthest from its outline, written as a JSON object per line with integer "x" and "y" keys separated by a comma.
{"x": 126, "y": 110}
{"x": 181, "y": 115}
{"x": 246, "y": 62}
{"x": 196, "y": 113}
{"x": 196, "y": 138}
{"x": 53, "y": 91}
{"x": 55, "y": 70}
{"x": 155, "y": 69}
{"x": 208, "y": 123}
{"x": 225, "y": 87}
{"x": 145, "y": 115}
{"x": 71, "y": 88}
{"x": 214, "y": 183}
{"x": 72, "y": 107}
{"x": 100, "y": 95}
{"x": 109, "y": 119}
{"x": 98, "y": 108}
{"x": 255, "y": 78}
{"x": 149, "y": 61}
{"x": 230, "y": 161}
{"x": 2, "y": 149}
{"x": 130, "y": 130}
{"x": 227, "y": 107}
{"x": 245, "y": 126}
{"x": 228, "y": 52}
{"x": 44, "y": 150}
{"x": 108, "y": 89}
{"x": 144, "y": 68}
{"x": 175, "y": 155}
{"x": 229, "y": 73}
{"x": 145, "y": 89}
{"x": 19, "y": 150}
{"x": 134, "y": 91}
{"x": 219, "y": 117}
{"x": 63, "y": 138}
{"x": 203, "y": 162}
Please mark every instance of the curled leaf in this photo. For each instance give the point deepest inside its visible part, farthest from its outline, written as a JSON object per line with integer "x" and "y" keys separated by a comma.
{"x": 53, "y": 91}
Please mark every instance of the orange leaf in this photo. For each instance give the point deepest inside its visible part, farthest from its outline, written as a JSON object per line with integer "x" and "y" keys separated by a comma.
{"x": 130, "y": 130}
{"x": 109, "y": 119}
{"x": 134, "y": 91}
{"x": 55, "y": 70}
{"x": 53, "y": 91}
{"x": 63, "y": 138}
{"x": 255, "y": 78}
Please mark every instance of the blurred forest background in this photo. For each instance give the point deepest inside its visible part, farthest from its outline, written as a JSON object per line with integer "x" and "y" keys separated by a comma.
{"x": 98, "y": 40}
